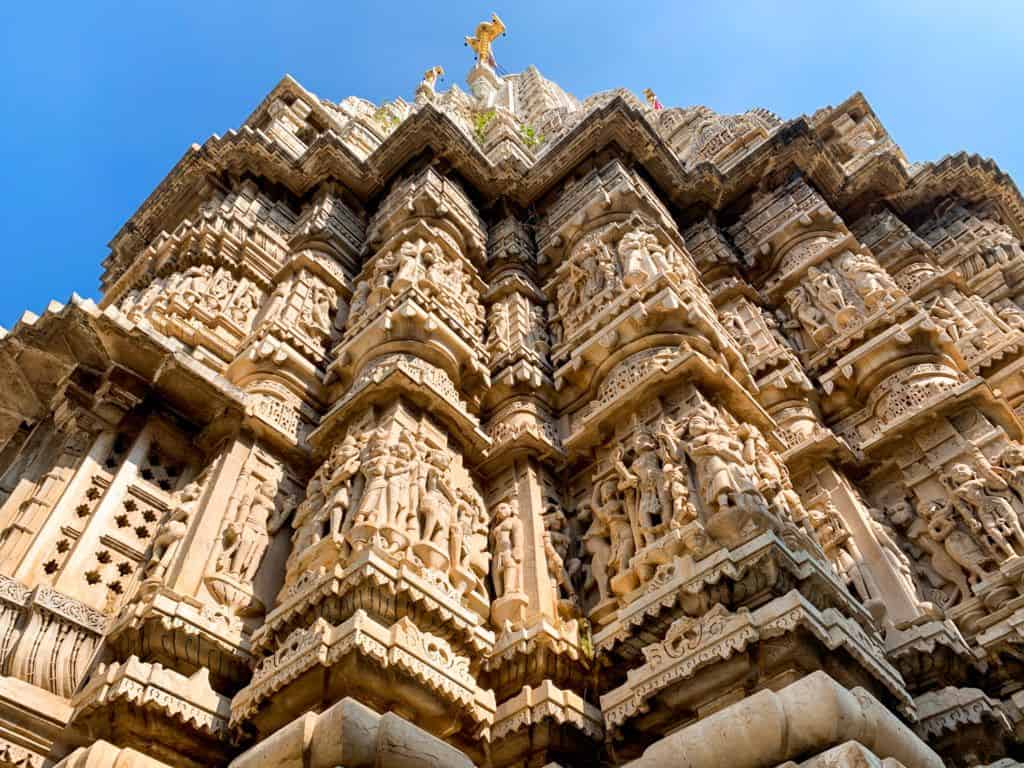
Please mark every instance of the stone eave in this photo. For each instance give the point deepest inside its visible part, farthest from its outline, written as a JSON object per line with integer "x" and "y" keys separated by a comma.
{"x": 796, "y": 143}
{"x": 79, "y": 335}
{"x": 289, "y": 86}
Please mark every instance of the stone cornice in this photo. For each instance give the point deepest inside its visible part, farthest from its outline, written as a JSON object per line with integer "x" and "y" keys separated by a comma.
{"x": 796, "y": 144}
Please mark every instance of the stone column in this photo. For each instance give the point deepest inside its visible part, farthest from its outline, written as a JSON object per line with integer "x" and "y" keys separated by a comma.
{"x": 185, "y": 576}
{"x": 902, "y": 605}
{"x": 537, "y": 584}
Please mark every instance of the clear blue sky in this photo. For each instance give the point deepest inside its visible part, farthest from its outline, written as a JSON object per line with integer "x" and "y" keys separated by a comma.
{"x": 102, "y": 98}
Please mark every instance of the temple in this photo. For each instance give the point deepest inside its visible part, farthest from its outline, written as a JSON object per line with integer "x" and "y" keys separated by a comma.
{"x": 502, "y": 428}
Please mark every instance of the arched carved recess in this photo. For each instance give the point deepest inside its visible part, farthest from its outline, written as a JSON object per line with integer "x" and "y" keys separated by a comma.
{"x": 986, "y": 336}
{"x": 619, "y": 279}
{"x": 419, "y": 293}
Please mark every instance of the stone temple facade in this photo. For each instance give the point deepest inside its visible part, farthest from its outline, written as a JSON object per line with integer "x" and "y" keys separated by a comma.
{"x": 502, "y": 428}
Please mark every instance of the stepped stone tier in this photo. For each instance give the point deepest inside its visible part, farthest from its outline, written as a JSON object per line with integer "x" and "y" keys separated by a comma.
{"x": 501, "y": 428}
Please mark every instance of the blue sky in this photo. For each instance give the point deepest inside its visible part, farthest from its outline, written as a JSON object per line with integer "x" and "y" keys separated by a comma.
{"x": 102, "y": 98}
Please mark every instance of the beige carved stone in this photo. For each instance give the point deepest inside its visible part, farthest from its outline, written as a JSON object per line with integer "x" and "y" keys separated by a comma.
{"x": 503, "y": 428}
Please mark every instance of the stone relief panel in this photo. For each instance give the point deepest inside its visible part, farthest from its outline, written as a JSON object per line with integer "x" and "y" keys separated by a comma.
{"x": 838, "y": 296}
{"x": 431, "y": 267}
{"x": 971, "y": 241}
{"x": 306, "y": 310}
{"x": 517, "y": 328}
{"x": 603, "y": 266}
{"x": 683, "y": 477}
{"x": 394, "y": 483}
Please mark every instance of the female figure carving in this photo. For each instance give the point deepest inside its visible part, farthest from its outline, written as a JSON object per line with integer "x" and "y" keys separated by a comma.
{"x": 508, "y": 551}
{"x": 346, "y": 464}
{"x": 437, "y": 501}
{"x": 248, "y": 541}
{"x": 375, "y": 470}
{"x": 643, "y": 479}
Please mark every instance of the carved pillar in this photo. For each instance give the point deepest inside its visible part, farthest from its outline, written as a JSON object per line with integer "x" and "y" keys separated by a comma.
{"x": 198, "y": 548}
{"x": 902, "y": 603}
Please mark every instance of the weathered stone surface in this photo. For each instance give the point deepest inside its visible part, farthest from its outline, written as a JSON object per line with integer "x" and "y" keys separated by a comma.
{"x": 507, "y": 429}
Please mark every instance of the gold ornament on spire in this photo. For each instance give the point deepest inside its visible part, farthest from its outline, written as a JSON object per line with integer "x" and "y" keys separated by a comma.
{"x": 486, "y": 33}
{"x": 431, "y": 76}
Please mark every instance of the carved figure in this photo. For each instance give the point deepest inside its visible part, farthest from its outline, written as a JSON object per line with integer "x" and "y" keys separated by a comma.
{"x": 610, "y": 514}
{"x": 596, "y": 544}
{"x": 400, "y": 516}
{"x": 642, "y": 483}
{"x": 245, "y": 305}
{"x": 372, "y": 505}
{"x": 868, "y": 279}
{"x": 959, "y": 545}
{"x": 842, "y": 551}
{"x": 427, "y": 86}
{"x": 497, "y": 339}
{"x": 437, "y": 500}
{"x": 809, "y": 316}
{"x": 641, "y": 256}
{"x": 319, "y": 322}
{"x": 723, "y": 476}
{"x": 984, "y": 510}
{"x": 172, "y": 530}
{"x": 828, "y": 296}
{"x": 247, "y": 540}
{"x": 193, "y": 283}
{"x": 468, "y": 542}
{"x": 954, "y": 322}
{"x": 507, "y": 545}
{"x": 345, "y": 463}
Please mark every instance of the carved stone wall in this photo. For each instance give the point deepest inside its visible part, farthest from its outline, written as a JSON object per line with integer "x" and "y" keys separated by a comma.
{"x": 508, "y": 429}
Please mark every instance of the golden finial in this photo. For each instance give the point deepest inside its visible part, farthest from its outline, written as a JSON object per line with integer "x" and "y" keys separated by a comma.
{"x": 486, "y": 33}
{"x": 652, "y": 99}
